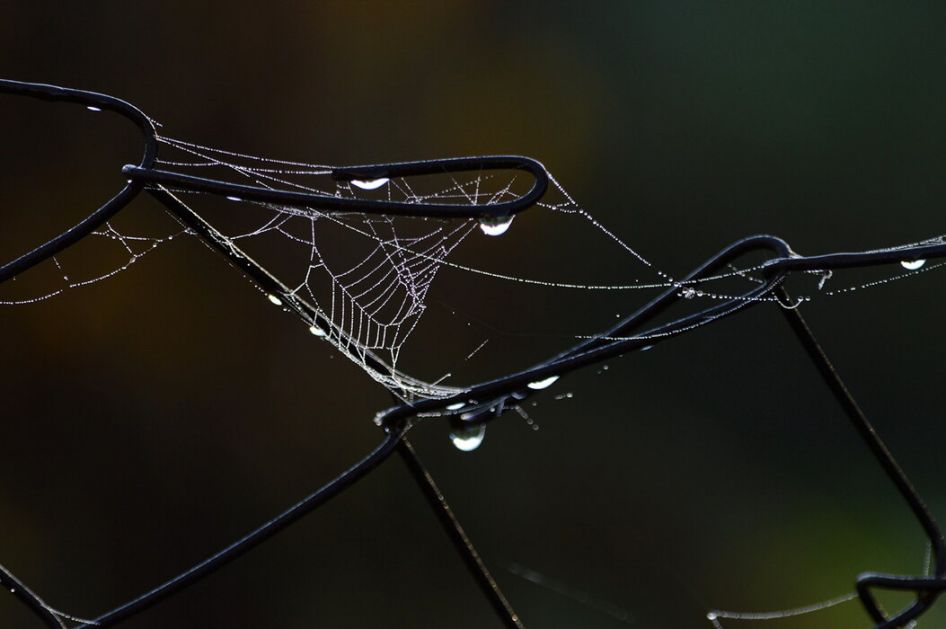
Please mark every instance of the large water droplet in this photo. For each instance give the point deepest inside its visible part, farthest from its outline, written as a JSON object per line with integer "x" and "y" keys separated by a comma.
{"x": 273, "y": 299}
{"x": 93, "y": 108}
{"x": 369, "y": 184}
{"x": 543, "y": 384}
{"x": 234, "y": 198}
{"x": 912, "y": 265}
{"x": 468, "y": 438}
{"x": 496, "y": 226}
{"x": 316, "y": 331}
{"x": 455, "y": 406}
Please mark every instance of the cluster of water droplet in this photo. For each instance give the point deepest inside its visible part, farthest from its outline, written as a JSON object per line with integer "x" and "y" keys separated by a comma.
{"x": 469, "y": 436}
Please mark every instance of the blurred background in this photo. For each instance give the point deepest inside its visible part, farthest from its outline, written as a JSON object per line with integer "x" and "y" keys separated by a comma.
{"x": 153, "y": 418}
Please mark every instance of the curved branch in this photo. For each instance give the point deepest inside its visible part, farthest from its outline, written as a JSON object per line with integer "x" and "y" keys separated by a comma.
{"x": 262, "y": 533}
{"x": 95, "y": 102}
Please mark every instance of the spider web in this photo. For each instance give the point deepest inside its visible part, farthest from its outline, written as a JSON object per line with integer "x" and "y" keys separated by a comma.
{"x": 371, "y": 297}
{"x": 368, "y": 277}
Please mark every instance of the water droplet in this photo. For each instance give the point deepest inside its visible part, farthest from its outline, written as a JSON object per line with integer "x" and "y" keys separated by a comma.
{"x": 912, "y": 265}
{"x": 234, "y": 198}
{"x": 468, "y": 438}
{"x": 316, "y": 331}
{"x": 538, "y": 385}
{"x": 93, "y": 108}
{"x": 273, "y": 299}
{"x": 496, "y": 226}
{"x": 369, "y": 184}
{"x": 688, "y": 293}
{"x": 455, "y": 406}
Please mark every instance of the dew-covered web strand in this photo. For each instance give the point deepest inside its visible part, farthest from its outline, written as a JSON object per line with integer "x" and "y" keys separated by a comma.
{"x": 350, "y": 334}
{"x": 395, "y": 275}
{"x": 377, "y": 303}
{"x": 398, "y": 271}
{"x": 411, "y": 264}
{"x": 716, "y": 616}
{"x": 133, "y": 248}
{"x": 52, "y": 616}
{"x": 206, "y": 156}
{"x": 567, "y": 206}
{"x": 261, "y": 177}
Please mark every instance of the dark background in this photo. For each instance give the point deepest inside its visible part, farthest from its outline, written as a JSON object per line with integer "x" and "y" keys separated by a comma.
{"x": 150, "y": 419}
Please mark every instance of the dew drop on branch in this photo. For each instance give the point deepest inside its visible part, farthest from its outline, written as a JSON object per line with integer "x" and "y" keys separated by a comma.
{"x": 538, "y": 385}
{"x": 912, "y": 265}
{"x": 468, "y": 438}
{"x": 496, "y": 226}
{"x": 369, "y": 184}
